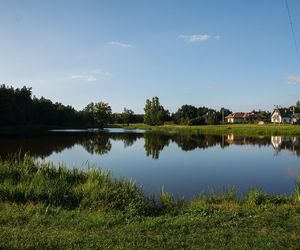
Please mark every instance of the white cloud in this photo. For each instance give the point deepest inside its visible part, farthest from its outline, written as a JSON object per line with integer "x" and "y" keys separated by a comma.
{"x": 195, "y": 38}
{"x": 100, "y": 72}
{"x": 88, "y": 78}
{"x": 91, "y": 75}
{"x": 198, "y": 38}
{"x": 294, "y": 79}
{"x": 119, "y": 44}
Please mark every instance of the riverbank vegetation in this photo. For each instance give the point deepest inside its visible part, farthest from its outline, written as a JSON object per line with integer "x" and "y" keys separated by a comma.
{"x": 226, "y": 129}
{"x": 52, "y": 207}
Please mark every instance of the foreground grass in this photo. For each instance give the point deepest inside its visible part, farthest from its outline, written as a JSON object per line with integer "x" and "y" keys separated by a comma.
{"x": 48, "y": 207}
{"x": 237, "y": 129}
{"x": 220, "y": 226}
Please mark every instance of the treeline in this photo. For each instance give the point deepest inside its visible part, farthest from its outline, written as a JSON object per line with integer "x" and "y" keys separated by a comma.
{"x": 19, "y": 107}
{"x": 156, "y": 114}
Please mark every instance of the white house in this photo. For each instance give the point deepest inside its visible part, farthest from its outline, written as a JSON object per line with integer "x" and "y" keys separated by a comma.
{"x": 281, "y": 116}
{"x": 285, "y": 115}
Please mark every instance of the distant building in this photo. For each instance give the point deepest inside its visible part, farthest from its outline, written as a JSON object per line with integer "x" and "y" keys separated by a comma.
{"x": 286, "y": 115}
{"x": 241, "y": 117}
{"x": 237, "y": 117}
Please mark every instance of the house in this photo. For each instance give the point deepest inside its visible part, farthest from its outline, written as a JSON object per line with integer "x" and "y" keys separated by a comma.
{"x": 242, "y": 117}
{"x": 238, "y": 117}
{"x": 286, "y": 115}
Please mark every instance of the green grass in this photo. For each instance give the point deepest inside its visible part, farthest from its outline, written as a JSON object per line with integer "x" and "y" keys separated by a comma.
{"x": 43, "y": 206}
{"x": 222, "y": 226}
{"x": 237, "y": 129}
{"x": 26, "y": 180}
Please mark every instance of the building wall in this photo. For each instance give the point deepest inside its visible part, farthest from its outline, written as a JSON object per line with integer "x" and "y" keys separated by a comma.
{"x": 235, "y": 120}
{"x": 276, "y": 117}
{"x": 286, "y": 120}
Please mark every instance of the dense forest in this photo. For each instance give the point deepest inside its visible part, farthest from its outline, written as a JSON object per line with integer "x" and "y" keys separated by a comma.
{"x": 18, "y": 107}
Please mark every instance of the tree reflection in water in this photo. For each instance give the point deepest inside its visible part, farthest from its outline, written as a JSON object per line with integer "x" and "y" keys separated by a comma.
{"x": 101, "y": 142}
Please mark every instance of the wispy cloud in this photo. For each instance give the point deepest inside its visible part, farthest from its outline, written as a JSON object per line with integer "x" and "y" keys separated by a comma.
{"x": 91, "y": 75}
{"x": 119, "y": 44}
{"x": 198, "y": 38}
{"x": 100, "y": 72}
{"x": 294, "y": 79}
{"x": 88, "y": 78}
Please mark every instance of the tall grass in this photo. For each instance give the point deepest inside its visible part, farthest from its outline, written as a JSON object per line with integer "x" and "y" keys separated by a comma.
{"x": 27, "y": 180}
{"x": 297, "y": 191}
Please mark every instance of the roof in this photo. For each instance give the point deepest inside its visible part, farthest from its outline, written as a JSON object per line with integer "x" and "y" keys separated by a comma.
{"x": 284, "y": 112}
{"x": 237, "y": 115}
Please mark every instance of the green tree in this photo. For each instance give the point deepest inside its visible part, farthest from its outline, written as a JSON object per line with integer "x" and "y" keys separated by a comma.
{"x": 99, "y": 113}
{"x": 298, "y": 104}
{"x": 185, "y": 114}
{"x": 102, "y": 113}
{"x": 127, "y": 116}
{"x": 155, "y": 114}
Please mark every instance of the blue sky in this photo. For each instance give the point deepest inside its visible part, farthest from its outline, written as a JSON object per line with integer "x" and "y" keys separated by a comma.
{"x": 236, "y": 53}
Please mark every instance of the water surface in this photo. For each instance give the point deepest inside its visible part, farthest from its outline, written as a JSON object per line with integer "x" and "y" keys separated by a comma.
{"x": 184, "y": 164}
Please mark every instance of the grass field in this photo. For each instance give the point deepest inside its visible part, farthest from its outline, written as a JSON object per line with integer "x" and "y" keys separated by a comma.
{"x": 43, "y": 206}
{"x": 238, "y": 129}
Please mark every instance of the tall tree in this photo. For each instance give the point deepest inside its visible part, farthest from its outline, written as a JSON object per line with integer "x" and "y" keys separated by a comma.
{"x": 102, "y": 113}
{"x": 127, "y": 116}
{"x": 155, "y": 114}
{"x": 185, "y": 114}
{"x": 99, "y": 112}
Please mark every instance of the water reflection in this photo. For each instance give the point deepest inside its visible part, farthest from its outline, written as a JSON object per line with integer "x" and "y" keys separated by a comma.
{"x": 100, "y": 143}
{"x": 286, "y": 143}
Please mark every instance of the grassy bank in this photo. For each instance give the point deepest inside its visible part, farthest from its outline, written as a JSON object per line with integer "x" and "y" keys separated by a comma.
{"x": 49, "y": 207}
{"x": 237, "y": 129}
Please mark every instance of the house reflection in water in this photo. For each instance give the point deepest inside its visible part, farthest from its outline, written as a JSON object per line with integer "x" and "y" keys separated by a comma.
{"x": 286, "y": 143}
{"x": 278, "y": 142}
{"x": 247, "y": 140}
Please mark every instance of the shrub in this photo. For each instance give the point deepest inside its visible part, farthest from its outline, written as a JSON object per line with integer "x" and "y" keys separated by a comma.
{"x": 196, "y": 121}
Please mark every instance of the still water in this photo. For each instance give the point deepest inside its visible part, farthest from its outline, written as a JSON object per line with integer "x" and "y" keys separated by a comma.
{"x": 184, "y": 165}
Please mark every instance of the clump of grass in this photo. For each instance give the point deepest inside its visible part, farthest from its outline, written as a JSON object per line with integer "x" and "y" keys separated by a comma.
{"x": 100, "y": 190}
{"x": 226, "y": 195}
{"x": 257, "y": 197}
{"x": 297, "y": 189}
{"x": 168, "y": 204}
{"x": 27, "y": 180}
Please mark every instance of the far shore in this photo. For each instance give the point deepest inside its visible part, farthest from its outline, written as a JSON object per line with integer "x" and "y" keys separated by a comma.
{"x": 220, "y": 129}
{"x": 223, "y": 129}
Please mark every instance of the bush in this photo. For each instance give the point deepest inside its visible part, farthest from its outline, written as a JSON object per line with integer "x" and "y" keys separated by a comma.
{"x": 196, "y": 121}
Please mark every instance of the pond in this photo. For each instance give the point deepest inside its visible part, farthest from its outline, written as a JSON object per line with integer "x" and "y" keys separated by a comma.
{"x": 184, "y": 164}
